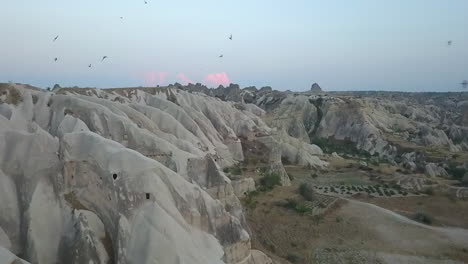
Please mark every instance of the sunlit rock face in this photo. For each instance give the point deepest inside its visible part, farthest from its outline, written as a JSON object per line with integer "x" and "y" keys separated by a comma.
{"x": 125, "y": 176}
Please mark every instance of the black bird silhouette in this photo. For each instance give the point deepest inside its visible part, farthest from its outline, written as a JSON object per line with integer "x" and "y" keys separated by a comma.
{"x": 56, "y": 38}
{"x": 449, "y": 43}
{"x": 221, "y": 56}
{"x": 464, "y": 84}
{"x": 89, "y": 66}
{"x": 103, "y": 58}
{"x": 55, "y": 60}
{"x": 146, "y": 2}
{"x": 230, "y": 37}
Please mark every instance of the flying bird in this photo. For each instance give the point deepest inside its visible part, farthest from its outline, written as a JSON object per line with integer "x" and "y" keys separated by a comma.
{"x": 464, "y": 84}
{"x": 103, "y": 58}
{"x": 146, "y": 2}
{"x": 55, "y": 38}
{"x": 230, "y": 37}
{"x": 55, "y": 60}
{"x": 221, "y": 56}
{"x": 449, "y": 43}
{"x": 89, "y": 66}
{"x": 121, "y": 17}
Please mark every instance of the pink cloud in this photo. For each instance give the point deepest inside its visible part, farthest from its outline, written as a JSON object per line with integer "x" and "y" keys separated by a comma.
{"x": 155, "y": 78}
{"x": 184, "y": 79}
{"x": 217, "y": 79}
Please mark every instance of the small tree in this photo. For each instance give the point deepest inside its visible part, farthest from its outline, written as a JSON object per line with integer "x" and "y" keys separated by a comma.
{"x": 306, "y": 191}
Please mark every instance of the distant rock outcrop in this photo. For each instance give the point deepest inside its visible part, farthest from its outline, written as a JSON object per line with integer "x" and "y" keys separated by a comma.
{"x": 315, "y": 88}
{"x": 389, "y": 125}
{"x": 432, "y": 170}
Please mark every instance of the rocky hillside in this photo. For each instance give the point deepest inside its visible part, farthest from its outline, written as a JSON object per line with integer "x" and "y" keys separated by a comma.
{"x": 416, "y": 132}
{"x": 148, "y": 175}
{"x": 130, "y": 175}
{"x": 421, "y": 132}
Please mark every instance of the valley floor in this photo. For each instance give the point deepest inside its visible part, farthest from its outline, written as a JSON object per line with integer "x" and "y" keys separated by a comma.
{"x": 357, "y": 228}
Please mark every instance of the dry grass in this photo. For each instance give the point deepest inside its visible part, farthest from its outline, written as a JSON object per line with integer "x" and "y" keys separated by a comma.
{"x": 445, "y": 211}
{"x": 345, "y": 227}
{"x": 282, "y": 232}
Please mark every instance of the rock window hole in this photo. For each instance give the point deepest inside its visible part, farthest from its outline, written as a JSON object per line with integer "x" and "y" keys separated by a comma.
{"x": 147, "y": 196}
{"x": 114, "y": 176}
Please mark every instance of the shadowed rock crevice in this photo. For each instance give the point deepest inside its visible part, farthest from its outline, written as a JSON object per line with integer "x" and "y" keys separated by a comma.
{"x": 318, "y": 106}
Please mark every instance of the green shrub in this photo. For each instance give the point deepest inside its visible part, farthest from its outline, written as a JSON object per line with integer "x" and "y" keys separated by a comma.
{"x": 306, "y": 191}
{"x": 429, "y": 191}
{"x": 291, "y": 204}
{"x": 302, "y": 209}
{"x": 270, "y": 180}
{"x": 455, "y": 172}
{"x": 296, "y": 206}
{"x": 236, "y": 170}
{"x": 293, "y": 258}
{"x": 423, "y": 218}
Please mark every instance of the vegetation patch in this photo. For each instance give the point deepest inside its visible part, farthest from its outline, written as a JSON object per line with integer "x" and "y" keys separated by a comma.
{"x": 269, "y": 181}
{"x": 423, "y": 218}
{"x": 346, "y": 147}
{"x": 250, "y": 201}
{"x": 293, "y": 258}
{"x": 233, "y": 172}
{"x": 456, "y": 172}
{"x": 307, "y": 192}
{"x": 298, "y": 207}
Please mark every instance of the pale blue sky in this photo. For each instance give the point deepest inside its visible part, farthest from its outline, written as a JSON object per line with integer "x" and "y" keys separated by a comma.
{"x": 341, "y": 44}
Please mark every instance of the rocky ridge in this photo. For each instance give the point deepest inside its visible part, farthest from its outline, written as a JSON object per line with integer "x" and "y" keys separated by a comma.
{"x": 417, "y": 131}
{"x": 130, "y": 175}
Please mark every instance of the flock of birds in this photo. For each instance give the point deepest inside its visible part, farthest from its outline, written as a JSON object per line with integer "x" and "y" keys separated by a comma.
{"x": 89, "y": 66}
{"x": 464, "y": 83}
{"x": 105, "y": 57}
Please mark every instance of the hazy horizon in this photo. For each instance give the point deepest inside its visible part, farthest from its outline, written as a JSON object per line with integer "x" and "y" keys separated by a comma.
{"x": 363, "y": 45}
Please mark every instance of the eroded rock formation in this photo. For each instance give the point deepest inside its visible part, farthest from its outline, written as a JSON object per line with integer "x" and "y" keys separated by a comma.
{"x": 125, "y": 176}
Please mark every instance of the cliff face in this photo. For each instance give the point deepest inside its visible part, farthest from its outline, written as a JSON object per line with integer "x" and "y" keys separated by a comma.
{"x": 382, "y": 124}
{"x": 124, "y": 176}
{"x": 395, "y": 126}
